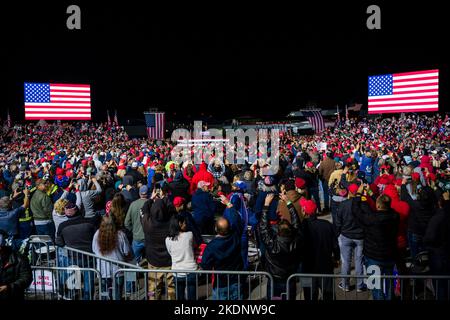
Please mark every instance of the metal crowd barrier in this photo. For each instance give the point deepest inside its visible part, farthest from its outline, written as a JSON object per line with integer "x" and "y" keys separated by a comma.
{"x": 378, "y": 287}
{"x": 158, "y": 284}
{"x": 47, "y": 284}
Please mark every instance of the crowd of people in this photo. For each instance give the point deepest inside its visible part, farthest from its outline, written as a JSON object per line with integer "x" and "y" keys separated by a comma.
{"x": 385, "y": 182}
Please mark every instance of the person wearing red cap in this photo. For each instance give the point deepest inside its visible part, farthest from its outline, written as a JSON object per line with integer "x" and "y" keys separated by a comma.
{"x": 311, "y": 177}
{"x": 321, "y": 252}
{"x": 204, "y": 208}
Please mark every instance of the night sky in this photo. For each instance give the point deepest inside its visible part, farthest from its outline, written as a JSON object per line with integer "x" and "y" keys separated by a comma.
{"x": 221, "y": 61}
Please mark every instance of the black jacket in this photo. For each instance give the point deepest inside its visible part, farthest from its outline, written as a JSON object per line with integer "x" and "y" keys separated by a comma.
{"x": 321, "y": 248}
{"x": 180, "y": 188}
{"x": 421, "y": 211}
{"x": 282, "y": 252}
{"x": 77, "y": 233}
{"x": 155, "y": 222}
{"x": 15, "y": 273}
{"x": 437, "y": 235}
{"x": 346, "y": 223}
{"x": 380, "y": 231}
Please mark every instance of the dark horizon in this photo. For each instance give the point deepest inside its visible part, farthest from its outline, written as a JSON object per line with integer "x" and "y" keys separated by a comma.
{"x": 209, "y": 65}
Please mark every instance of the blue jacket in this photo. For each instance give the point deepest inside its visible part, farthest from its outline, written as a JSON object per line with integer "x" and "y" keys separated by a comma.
{"x": 224, "y": 253}
{"x": 203, "y": 206}
{"x": 366, "y": 164}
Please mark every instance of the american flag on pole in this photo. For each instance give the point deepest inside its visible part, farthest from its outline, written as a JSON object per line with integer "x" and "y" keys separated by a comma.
{"x": 316, "y": 120}
{"x": 338, "y": 119}
{"x": 8, "y": 120}
{"x": 155, "y": 123}
{"x": 57, "y": 101}
{"x": 116, "y": 121}
{"x": 404, "y": 92}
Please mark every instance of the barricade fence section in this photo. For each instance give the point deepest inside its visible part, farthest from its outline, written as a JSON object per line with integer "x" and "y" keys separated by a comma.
{"x": 64, "y": 283}
{"x": 159, "y": 284}
{"x": 313, "y": 287}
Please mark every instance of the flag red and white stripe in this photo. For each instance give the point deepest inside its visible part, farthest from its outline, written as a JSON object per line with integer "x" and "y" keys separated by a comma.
{"x": 404, "y": 92}
{"x": 57, "y": 101}
{"x": 155, "y": 125}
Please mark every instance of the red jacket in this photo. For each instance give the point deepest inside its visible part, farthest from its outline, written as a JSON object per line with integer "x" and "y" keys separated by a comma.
{"x": 402, "y": 208}
{"x": 201, "y": 175}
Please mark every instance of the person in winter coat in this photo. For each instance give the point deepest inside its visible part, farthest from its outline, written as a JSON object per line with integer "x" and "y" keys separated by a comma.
{"x": 15, "y": 272}
{"x": 179, "y": 187}
{"x": 216, "y": 168}
{"x": 421, "y": 211}
{"x": 201, "y": 175}
{"x": 310, "y": 175}
{"x": 326, "y": 168}
{"x": 204, "y": 208}
{"x": 351, "y": 239}
{"x": 437, "y": 241}
{"x": 42, "y": 208}
{"x": 283, "y": 248}
{"x": 224, "y": 253}
{"x": 380, "y": 237}
{"x": 156, "y": 215}
{"x": 321, "y": 251}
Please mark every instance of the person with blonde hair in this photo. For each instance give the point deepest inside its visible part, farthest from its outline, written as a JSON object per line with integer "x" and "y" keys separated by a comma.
{"x": 58, "y": 213}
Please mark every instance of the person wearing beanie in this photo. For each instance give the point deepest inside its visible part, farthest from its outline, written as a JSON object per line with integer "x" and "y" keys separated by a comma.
{"x": 77, "y": 232}
{"x": 350, "y": 237}
{"x": 321, "y": 252}
{"x": 59, "y": 214}
{"x": 179, "y": 187}
{"x": 133, "y": 223}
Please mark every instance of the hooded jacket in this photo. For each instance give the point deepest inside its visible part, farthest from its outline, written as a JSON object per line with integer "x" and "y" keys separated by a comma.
{"x": 156, "y": 215}
{"x": 203, "y": 207}
{"x": 179, "y": 187}
{"x": 201, "y": 175}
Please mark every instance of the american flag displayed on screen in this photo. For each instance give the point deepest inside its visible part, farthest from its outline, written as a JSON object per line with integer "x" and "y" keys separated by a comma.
{"x": 57, "y": 101}
{"x": 315, "y": 118}
{"x": 155, "y": 123}
{"x": 404, "y": 92}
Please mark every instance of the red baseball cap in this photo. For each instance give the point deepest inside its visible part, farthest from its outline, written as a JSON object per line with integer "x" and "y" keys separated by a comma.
{"x": 300, "y": 183}
{"x": 353, "y": 188}
{"x": 178, "y": 201}
{"x": 309, "y": 207}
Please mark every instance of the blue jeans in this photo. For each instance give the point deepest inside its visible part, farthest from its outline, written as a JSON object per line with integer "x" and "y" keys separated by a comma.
{"x": 46, "y": 229}
{"x": 314, "y": 192}
{"x": 88, "y": 276}
{"x": 107, "y": 284}
{"x": 190, "y": 282}
{"x": 225, "y": 294}
{"x": 138, "y": 248}
{"x": 326, "y": 194}
{"x": 347, "y": 247}
{"x": 25, "y": 229}
{"x": 385, "y": 290}
{"x": 415, "y": 242}
{"x": 279, "y": 288}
